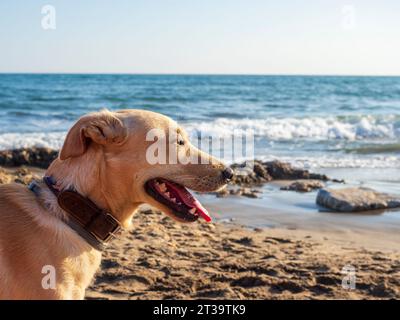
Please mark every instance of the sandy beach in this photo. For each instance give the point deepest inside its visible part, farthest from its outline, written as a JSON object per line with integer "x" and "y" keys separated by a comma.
{"x": 162, "y": 259}
{"x": 270, "y": 129}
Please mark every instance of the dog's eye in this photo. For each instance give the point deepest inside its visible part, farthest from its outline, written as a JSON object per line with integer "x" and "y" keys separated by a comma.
{"x": 181, "y": 142}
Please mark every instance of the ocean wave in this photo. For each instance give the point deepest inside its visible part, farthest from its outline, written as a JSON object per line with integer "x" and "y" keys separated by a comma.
{"x": 315, "y": 162}
{"x": 316, "y": 128}
{"x": 382, "y": 152}
{"x": 53, "y": 140}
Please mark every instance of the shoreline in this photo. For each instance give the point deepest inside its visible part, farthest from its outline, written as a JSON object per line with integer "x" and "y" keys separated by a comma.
{"x": 231, "y": 212}
{"x": 256, "y": 199}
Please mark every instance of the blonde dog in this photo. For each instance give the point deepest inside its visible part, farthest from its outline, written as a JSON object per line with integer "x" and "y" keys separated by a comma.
{"x": 105, "y": 158}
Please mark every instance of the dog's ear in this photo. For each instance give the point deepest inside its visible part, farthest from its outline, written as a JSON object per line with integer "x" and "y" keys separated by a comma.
{"x": 102, "y": 128}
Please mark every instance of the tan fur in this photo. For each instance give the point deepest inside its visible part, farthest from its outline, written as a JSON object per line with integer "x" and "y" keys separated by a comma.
{"x": 104, "y": 159}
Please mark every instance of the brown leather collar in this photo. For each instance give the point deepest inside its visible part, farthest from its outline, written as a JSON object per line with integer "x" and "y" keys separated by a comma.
{"x": 95, "y": 225}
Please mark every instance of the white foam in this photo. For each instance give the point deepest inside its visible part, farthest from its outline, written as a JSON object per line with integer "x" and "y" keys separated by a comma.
{"x": 274, "y": 129}
{"x": 51, "y": 140}
{"x": 317, "y": 128}
{"x": 344, "y": 161}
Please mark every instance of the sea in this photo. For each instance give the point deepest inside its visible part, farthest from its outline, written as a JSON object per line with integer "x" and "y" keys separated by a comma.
{"x": 348, "y": 127}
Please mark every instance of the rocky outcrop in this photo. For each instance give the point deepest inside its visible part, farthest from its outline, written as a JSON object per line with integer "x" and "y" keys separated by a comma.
{"x": 284, "y": 171}
{"x": 34, "y": 157}
{"x": 247, "y": 174}
{"x": 304, "y": 185}
{"x": 250, "y": 174}
{"x": 356, "y": 199}
{"x": 257, "y": 173}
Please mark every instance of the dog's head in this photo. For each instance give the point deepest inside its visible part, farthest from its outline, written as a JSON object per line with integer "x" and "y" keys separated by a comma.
{"x": 148, "y": 158}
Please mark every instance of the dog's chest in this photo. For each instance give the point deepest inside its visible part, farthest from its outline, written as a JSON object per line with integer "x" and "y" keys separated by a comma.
{"x": 78, "y": 273}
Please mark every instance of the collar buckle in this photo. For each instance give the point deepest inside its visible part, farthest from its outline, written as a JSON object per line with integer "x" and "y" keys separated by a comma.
{"x": 115, "y": 231}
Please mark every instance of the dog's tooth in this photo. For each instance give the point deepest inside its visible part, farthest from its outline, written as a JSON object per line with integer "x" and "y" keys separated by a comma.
{"x": 163, "y": 187}
{"x": 173, "y": 199}
{"x": 167, "y": 194}
{"x": 192, "y": 211}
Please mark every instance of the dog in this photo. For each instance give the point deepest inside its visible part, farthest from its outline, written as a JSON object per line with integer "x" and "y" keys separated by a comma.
{"x": 106, "y": 165}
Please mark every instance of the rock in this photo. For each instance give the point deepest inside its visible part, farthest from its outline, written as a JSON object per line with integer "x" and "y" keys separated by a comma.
{"x": 284, "y": 171}
{"x": 249, "y": 193}
{"x": 261, "y": 171}
{"x": 304, "y": 185}
{"x": 35, "y": 157}
{"x": 250, "y": 173}
{"x": 356, "y": 199}
{"x": 257, "y": 172}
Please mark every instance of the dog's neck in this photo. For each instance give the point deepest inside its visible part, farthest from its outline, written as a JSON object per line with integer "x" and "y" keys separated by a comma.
{"x": 88, "y": 175}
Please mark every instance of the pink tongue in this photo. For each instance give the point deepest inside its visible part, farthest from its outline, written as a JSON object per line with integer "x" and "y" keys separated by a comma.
{"x": 191, "y": 201}
{"x": 203, "y": 211}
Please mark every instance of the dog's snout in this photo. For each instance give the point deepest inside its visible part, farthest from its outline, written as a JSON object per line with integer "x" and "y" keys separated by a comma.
{"x": 227, "y": 173}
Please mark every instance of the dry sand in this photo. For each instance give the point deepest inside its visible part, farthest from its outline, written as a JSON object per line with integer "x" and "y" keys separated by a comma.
{"x": 162, "y": 259}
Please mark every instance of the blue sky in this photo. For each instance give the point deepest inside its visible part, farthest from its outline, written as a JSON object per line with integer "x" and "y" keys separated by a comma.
{"x": 187, "y": 36}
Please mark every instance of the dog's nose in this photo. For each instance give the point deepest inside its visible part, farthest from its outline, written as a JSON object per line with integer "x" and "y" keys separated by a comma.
{"x": 227, "y": 173}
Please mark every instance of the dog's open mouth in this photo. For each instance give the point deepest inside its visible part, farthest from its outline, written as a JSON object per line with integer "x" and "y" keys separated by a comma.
{"x": 176, "y": 197}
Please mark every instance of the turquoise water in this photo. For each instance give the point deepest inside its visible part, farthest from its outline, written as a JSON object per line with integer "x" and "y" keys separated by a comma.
{"x": 310, "y": 121}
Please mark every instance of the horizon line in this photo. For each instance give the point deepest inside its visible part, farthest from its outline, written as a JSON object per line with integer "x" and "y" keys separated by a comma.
{"x": 200, "y": 74}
